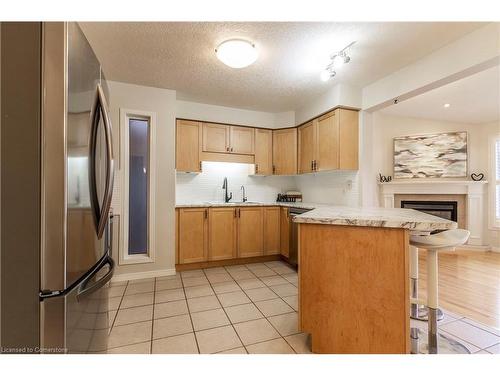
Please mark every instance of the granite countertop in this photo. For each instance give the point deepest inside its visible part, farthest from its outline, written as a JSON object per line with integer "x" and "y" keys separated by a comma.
{"x": 342, "y": 215}
{"x": 375, "y": 217}
{"x": 305, "y": 205}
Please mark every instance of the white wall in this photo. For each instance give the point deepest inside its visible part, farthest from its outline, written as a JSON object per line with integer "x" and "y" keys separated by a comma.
{"x": 337, "y": 95}
{"x": 229, "y": 115}
{"x": 386, "y": 127}
{"x": 470, "y": 54}
{"x": 162, "y": 102}
{"x": 207, "y": 186}
{"x": 337, "y": 187}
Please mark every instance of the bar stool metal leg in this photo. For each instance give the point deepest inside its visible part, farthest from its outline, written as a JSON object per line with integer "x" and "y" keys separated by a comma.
{"x": 414, "y": 281}
{"x": 417, "y": 311}
{"x": 432, "y": 299}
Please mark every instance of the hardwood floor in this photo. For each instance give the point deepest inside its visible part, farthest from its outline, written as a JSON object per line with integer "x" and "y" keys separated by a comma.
{"x": 469, "y": 284}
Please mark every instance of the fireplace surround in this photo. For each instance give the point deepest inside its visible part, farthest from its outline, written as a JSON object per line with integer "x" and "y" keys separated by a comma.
{"x": 469, "y": 195}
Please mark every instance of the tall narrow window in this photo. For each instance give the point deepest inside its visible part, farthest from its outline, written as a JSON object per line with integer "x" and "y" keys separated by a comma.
{"x": 138, "y": 186}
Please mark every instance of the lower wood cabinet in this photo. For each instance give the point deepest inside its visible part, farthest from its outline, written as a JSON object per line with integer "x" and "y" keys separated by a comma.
{"x": 193, "y": 235}
{"x": 250, "y": 232}
{"x": 285, "y": 232}
{"x": 222, "y": 233}
{"x": 272, "y": 230}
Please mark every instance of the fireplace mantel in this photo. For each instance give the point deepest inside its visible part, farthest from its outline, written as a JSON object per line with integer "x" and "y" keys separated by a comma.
{"x": 473, "y": 190}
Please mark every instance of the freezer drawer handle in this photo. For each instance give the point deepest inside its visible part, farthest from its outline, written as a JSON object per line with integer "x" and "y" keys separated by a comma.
{"x": 47, "y": 293}
{"x": 84, "y": 290}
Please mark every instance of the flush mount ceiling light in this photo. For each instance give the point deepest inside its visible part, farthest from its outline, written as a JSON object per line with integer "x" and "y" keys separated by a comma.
{"x": 236, "y": 53}
{"x": 336, "y": 61}
{"x": 446, "y": 105}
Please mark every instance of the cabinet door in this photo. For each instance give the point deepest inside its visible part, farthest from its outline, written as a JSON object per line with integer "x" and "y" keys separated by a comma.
{"x": 263, "y": 151}
{"x": 193, "y": 230}
{"x": 215, "y": 138}
{"x": 285, "y": 232}
{"x": 285, "y": 151}
{"x": 242, "y": 140}
{"x": 187, "y": 146}
{"x": 307, "y": 146}
{"x": 250, "y": 232}
{"x": 348, "y": 139}
{"x": 176, "y": 236}
{"x": 272, "y": 230}
{"x": 222, "y": 233}
{"x": 328, "y": 142}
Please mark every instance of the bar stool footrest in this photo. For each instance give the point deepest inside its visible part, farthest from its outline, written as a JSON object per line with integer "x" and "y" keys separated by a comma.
{"x": 446, "y": 345}
{"x": 423, "y": 313}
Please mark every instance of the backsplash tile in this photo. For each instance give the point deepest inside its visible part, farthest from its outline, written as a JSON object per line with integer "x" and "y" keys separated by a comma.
{"x": 207, "y": 186}
{"x": 326, "y": 187}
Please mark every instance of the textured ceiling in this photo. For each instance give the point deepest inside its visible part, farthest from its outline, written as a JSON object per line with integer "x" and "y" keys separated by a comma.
{"x": 180, "y": 56}
{"x": 473, "y": 100}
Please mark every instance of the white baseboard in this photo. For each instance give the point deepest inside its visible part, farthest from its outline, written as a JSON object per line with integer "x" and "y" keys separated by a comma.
{"x": 480, "y": 248}
{"x": 475, "y": 247}
{"x": 143, "y": 275}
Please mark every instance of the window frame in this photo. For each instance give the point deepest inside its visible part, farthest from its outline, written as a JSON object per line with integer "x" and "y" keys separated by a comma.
{"x": 493, "y": 183}
{"x": 125, "y": 116}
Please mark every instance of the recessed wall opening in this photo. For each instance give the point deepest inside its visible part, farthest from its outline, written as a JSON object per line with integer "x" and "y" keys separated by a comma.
{"x": 444, "y": 209}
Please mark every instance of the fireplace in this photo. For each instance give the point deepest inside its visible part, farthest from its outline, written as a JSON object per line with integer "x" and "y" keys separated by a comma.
{"x": 469, "y": 195}
{"x": 444, "y": 209}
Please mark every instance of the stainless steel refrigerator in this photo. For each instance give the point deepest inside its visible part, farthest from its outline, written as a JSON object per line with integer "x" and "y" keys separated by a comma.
{"x": 56, "y": 189}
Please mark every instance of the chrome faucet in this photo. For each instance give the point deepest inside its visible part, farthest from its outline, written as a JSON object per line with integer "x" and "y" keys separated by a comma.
{"x": 243, "y": 195}
{"x": 227, "y": 197}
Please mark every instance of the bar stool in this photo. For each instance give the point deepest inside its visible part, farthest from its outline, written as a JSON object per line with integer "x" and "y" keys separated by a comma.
{"x": 446, "y": 240}
{"x": 418, "y": 310}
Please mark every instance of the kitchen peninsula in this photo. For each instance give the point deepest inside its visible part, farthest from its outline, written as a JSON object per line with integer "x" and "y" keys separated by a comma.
{"x": 353, "y": 277}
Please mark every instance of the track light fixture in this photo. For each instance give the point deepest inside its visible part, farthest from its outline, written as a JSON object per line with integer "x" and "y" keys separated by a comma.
{"x": 336, "y": 61}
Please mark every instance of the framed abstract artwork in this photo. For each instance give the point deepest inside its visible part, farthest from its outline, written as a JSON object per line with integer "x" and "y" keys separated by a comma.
{"x": 431, "y": 155}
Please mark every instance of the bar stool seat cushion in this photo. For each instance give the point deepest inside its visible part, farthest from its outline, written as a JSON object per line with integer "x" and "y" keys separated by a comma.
{"x": 441, "y": 240}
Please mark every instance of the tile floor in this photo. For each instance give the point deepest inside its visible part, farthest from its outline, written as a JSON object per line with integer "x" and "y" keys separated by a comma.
{"x": 238, "y": 309}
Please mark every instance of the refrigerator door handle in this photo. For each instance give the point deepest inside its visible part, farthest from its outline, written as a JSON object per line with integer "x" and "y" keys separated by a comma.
{"x": 85, "y": 290}
{"x": 100, "y": 212}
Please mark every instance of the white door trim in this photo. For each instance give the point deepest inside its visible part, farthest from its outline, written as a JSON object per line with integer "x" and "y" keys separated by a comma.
{"x": 125, "y": 116}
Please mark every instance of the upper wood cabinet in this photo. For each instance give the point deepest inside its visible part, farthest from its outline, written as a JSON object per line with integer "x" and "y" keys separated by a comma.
{"x": 348, "y": 139}
{"x": 327, "y": 151}
{"x": 215, "y": 137}
{"x": 250, "y": 232}
{"x": 285, "y": 151}
{"x": 307, "y": 147}
{"x": 263, "y": 152}
{"x": 228, "y": 139}
{"x": 271, "y": 230}
{"x": 188, "y": 146}
{"x": 329, "y": 142}
{"x": 242, "y": 140}
{"x": 222, "y": 233}
{"x": 193, "y": 235}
